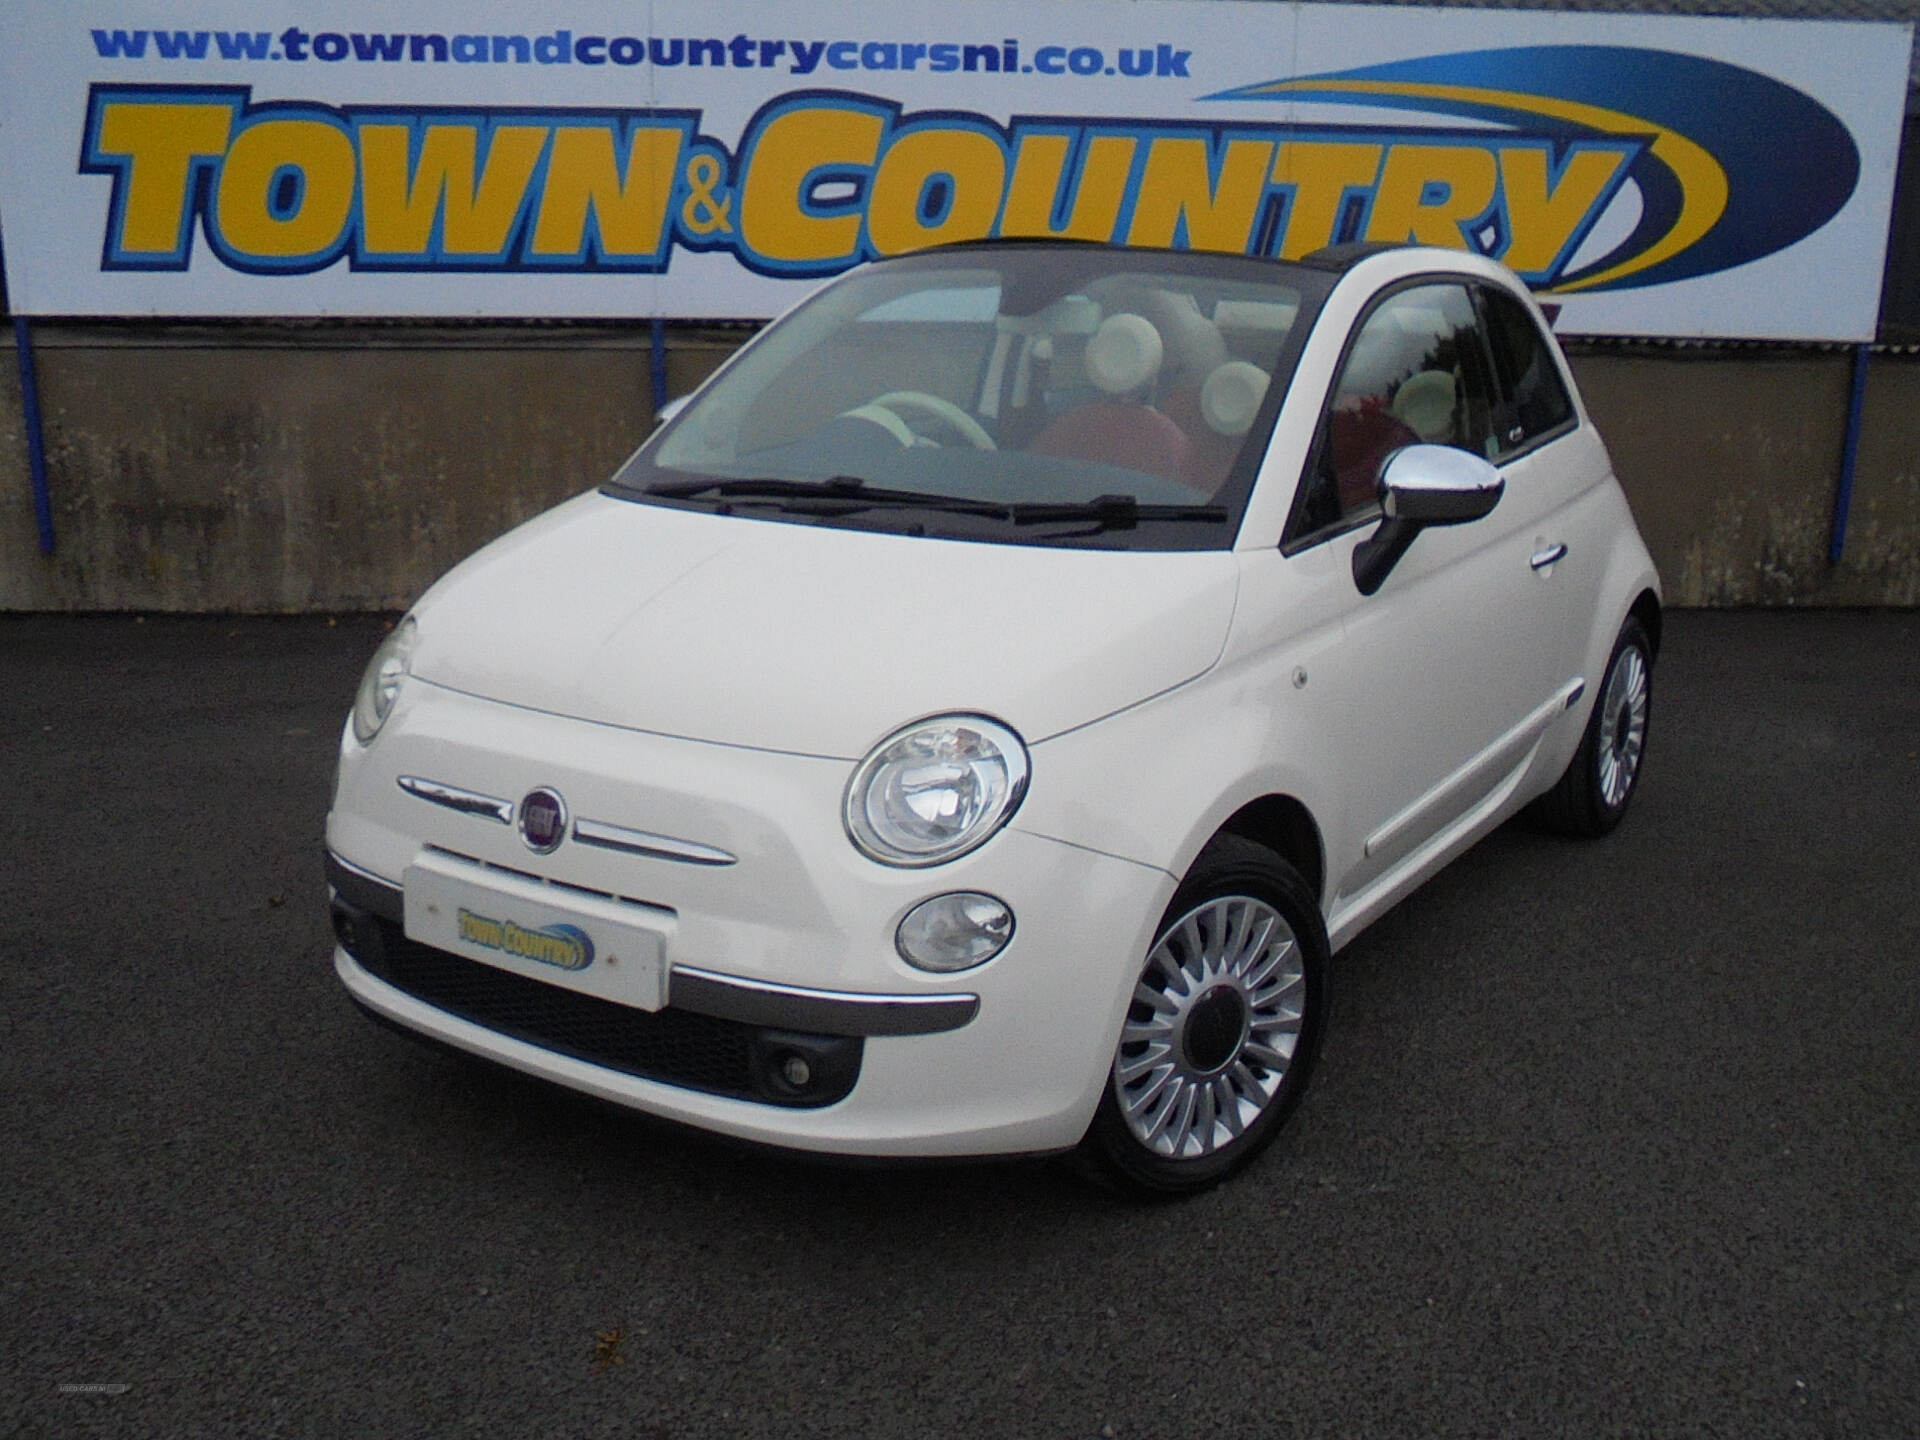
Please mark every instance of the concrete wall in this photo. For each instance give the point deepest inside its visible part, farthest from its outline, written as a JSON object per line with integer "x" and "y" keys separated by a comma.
{"x": 1731, "y": 458}
{"x": 343, "y": 468}
{"x": 337, "y": 469}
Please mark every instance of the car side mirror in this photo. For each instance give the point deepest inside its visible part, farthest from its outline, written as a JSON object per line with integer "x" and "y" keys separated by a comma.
{"x": 667, "y": 411}
{"x": 1423, "y": 485}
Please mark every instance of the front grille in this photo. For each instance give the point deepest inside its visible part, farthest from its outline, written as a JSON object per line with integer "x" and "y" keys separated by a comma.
{"x": 679, "y": 1047}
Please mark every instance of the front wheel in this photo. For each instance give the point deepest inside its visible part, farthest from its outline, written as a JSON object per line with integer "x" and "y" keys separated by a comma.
{"x": 1224, "y": 1024}
{"x": 1590, "y": 799}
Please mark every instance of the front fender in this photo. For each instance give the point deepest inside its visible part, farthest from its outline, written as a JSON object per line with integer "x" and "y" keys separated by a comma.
{"x": 1155, "y": 783}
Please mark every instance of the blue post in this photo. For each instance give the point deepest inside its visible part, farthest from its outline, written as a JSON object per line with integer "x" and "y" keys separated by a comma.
{"x": 1849, "y": 453}
{"x": 659, "y": 364}
{"x": 36, "y": 440}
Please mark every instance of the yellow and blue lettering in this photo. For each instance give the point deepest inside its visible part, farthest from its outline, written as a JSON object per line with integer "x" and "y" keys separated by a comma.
{"x": 1548, "y": 208}
{"x": 1193, "y": 195}
{"x": 447, "y": 190}
{"x": 285, "y": 193}
{"x": 1433, "y": 194}
{"x": 806, "y": 168}
{"x": 1325, "y": 181}
{"x": 937, "y": 182}
{"x": 157, "y": 144}
{"x": 608, "y": 192}
{"x": 820, "y": 181}
{"x": 1068, "y": 184}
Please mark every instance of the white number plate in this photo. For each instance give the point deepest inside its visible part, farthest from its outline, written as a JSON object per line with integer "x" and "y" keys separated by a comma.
{"x": 599, "y": 947}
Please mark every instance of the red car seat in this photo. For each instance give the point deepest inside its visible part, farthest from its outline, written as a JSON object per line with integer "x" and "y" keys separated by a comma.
{"x": 1122, "y": 360}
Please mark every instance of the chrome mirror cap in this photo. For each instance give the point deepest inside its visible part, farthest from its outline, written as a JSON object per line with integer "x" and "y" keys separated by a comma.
{"x": 1438, "y": 485}
{"x": 1423, "y": 485}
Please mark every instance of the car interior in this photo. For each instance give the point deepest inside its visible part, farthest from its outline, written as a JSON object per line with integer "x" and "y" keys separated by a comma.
{"x": 1139, "y": 373}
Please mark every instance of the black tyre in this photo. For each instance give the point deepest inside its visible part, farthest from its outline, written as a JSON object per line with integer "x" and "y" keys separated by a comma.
{"x": 1590, "y": 798}
{"x": 1226, "y": 1021}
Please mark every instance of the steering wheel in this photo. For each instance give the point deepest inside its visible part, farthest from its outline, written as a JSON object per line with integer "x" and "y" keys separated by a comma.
{"x": 971, "y": 430}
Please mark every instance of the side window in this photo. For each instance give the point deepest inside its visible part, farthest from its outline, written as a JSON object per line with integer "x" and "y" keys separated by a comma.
{"x": 1415, "y": 373}
{"x": 1533, "y": 400}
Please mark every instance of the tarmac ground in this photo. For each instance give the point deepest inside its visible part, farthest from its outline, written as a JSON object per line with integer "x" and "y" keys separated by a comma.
{"x": 1609, "y": 1139}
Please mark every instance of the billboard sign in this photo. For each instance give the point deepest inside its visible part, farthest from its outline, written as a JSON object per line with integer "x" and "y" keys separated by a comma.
{"x": 1651, "y": 175}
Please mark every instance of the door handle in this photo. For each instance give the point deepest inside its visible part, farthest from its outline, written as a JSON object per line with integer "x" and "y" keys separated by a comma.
{"x": 1547, "y": 556}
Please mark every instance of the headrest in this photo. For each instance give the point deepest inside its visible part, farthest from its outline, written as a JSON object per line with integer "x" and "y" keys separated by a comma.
{"x": 1424, "y": 404}
{"x": 1232, "y": 395}
{"x": 1194, "y": 345}
{"x": 1124, "y": 354}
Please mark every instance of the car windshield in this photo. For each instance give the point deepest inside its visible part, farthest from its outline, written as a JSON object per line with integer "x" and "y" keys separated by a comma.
{"x": 1057, "y": 394}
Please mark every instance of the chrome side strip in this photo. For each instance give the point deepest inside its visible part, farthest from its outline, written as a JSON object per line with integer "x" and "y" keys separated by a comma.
{"x": 640, "y": 842}
{"x": 1495, "y": 760}
{"x": 822, "y": 1012}
{"x": 467, "y": 802}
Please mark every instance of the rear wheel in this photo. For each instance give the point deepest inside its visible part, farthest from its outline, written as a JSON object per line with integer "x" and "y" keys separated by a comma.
{"x": 1590, "y": 799}
{"x": 1223, "y": 1027}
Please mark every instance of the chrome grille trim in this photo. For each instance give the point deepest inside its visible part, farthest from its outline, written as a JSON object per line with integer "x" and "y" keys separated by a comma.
{"x": 640, "y": 842}
{"x": 467, "y": 802}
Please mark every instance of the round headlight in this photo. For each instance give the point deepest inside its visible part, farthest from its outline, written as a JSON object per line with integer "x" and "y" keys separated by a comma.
{"x": 380, "y": 685}
{"x": 935, "y": 790}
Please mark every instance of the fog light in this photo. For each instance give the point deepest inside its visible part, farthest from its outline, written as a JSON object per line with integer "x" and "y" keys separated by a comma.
{"x": 954, "y": 932}
{"x": 796, "y": 1072}
{"x": 357, "y": 931}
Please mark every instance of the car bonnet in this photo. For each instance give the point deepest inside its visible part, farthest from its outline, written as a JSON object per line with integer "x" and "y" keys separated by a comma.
{"x": 812, "y": 640}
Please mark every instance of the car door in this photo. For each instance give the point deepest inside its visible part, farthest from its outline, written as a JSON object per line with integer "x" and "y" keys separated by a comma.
{"x": 1446, "y": 672}
{"x": 1554, "y": 467}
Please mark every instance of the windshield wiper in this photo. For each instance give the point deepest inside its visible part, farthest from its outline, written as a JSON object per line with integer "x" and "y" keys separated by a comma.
{"x": 837, "y": 495}
{"x": 850, "y": 494}
{"x": 760, "y": 486}
{"x": 1110, "y": 512}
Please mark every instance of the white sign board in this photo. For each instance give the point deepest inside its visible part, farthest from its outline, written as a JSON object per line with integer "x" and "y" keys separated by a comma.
{"x": 1650, "y": 175}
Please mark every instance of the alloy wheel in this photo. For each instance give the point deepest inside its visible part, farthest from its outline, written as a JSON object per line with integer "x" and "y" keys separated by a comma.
{"x": 1216, "y": 1017}
{"x": 1623, "y": 727}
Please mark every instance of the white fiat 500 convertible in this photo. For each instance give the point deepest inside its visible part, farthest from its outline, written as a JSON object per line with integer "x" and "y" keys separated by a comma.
{"x": 969, "y": 725}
